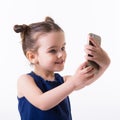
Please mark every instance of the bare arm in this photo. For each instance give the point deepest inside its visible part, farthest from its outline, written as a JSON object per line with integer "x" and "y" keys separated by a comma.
{"x": 49, "y": 99}
{"x": 46, "y": 100}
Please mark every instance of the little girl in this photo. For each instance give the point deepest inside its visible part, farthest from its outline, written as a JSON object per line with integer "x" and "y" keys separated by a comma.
{"x": 43, "y": 93}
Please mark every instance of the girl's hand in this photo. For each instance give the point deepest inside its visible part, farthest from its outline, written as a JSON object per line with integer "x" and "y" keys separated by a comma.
{"x": 98, "y": 54}
{"x": 83, "y": 76}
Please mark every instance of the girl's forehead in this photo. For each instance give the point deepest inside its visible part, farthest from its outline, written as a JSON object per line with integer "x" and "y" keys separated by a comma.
{"x": 51, "y": 39}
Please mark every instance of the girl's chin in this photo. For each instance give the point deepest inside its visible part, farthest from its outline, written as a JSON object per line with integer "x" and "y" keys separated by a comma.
{"x": 60, "y": 69}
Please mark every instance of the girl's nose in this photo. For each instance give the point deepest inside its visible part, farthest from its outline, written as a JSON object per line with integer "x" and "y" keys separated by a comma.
{"x": 60, "y": 54}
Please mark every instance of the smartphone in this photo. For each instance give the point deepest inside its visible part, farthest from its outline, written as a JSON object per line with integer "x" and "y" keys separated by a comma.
{"x": 97, "y": 38}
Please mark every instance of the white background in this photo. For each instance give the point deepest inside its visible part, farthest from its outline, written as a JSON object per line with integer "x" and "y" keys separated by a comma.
{"x": 99, "y": 101}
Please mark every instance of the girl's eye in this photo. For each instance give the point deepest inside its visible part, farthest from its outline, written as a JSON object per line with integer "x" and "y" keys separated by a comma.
{"x": 53, "y": 51}
{"x": 63, "y": 48}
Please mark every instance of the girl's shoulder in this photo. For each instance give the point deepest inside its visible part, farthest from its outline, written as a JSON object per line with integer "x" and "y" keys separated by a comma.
{"x": 24, "y": 77}
{"x": 23, "y": 81}
{"x": 66, "y": 77}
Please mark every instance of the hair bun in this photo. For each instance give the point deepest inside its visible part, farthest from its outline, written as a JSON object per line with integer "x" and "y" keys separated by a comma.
{"x": 49, "y": 20}
{"x": 20, "y": 28}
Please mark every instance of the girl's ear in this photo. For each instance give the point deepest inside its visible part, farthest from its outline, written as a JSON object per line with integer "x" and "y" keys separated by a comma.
{"x": 32, "y": 57}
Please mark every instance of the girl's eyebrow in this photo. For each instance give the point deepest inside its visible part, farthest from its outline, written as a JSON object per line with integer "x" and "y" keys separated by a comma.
{"x": 55, "y": 46}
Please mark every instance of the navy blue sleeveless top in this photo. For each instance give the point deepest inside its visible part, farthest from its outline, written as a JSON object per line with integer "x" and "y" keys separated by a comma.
{"x": 60, "y": 112}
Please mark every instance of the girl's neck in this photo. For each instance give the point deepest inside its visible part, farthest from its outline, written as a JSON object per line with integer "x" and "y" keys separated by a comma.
{"x": 46, "y": 75}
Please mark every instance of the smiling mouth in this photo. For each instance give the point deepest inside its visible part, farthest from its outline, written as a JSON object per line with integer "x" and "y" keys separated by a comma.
{"x": 60, "y": 62}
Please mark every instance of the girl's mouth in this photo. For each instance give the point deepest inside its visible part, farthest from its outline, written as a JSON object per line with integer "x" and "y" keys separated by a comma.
{"x": 59, "y": 62}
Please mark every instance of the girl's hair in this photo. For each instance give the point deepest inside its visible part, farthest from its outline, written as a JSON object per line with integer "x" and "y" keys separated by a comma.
{"x": 30, "y": 33}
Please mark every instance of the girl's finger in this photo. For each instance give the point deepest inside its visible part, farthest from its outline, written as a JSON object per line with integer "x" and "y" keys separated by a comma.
{"x": 83, "y": 65}
{"x": 94, "y": 42}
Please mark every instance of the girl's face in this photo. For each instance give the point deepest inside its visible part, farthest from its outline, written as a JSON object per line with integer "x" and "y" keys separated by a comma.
{"x": 51, "y": 53}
